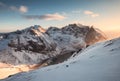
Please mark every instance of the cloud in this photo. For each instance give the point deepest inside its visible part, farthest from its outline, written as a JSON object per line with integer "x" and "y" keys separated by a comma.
{"x": 55, "y": 16}
{"x": 21, "y": 9}
{"x": 90, "y": 13}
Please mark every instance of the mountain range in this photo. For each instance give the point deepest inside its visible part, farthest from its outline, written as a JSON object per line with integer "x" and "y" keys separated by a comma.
{"x": 98, "y": 62}
{"x": 35, "y": 44}
{"x": 36, "y": 47}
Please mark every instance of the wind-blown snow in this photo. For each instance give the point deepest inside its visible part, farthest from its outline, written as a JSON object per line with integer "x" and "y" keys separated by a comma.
{"x": 99, "y": 62}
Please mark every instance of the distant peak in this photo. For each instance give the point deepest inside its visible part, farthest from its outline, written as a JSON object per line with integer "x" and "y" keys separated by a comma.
{"x": 35, "y": 27}
{"x": 76, "y": 25}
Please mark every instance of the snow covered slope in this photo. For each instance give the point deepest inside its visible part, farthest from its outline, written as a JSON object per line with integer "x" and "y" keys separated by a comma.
{"x": 99, "y": 62}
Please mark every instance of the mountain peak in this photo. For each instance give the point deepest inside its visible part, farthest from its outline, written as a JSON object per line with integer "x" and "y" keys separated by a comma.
{"x": 32, "y": 30}
{"x": 76, "y": 25}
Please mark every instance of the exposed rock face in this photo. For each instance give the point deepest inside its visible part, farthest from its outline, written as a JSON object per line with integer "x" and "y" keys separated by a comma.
{"x": 35, "y": 44}
{"x": 90, "y": 35}
{"x": 93, "y": 36}
{"x": 76, "y": 30}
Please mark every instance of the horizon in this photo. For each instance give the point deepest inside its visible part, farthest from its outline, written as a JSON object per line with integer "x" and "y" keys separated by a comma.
{"x": 111, "y": 34}
{"x": 17, "y": 14}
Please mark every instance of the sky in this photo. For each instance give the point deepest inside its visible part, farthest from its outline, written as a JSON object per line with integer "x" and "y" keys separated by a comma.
{"x": 19, "y": 14}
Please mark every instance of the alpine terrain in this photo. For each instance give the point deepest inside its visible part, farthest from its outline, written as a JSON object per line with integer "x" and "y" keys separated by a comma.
{"x": 98, "y": 62}
{"x": 36, "y": 47}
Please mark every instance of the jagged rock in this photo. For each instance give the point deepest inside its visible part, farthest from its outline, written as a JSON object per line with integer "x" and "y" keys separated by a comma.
{"x": 35, "y": 44}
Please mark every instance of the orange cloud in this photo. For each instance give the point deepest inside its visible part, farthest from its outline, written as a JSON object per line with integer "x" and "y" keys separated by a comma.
{"x": 90, "y": 13}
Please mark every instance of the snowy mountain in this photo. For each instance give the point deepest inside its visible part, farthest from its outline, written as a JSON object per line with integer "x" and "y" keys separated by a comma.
{"x": 98, "y": 62}
{"x": 34, "y": 45}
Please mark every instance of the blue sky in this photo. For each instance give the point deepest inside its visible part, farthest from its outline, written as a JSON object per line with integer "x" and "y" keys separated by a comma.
{"x": 19, "y": 14}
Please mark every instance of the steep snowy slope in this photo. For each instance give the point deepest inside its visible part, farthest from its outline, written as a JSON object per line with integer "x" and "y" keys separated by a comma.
{"x": 35, "y": 44}
{"x": 99, "y": 62}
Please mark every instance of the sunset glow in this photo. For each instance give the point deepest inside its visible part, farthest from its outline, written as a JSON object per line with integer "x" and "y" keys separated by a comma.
{"x": 17, "y": 14}
{"x": 59, "y": 40}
